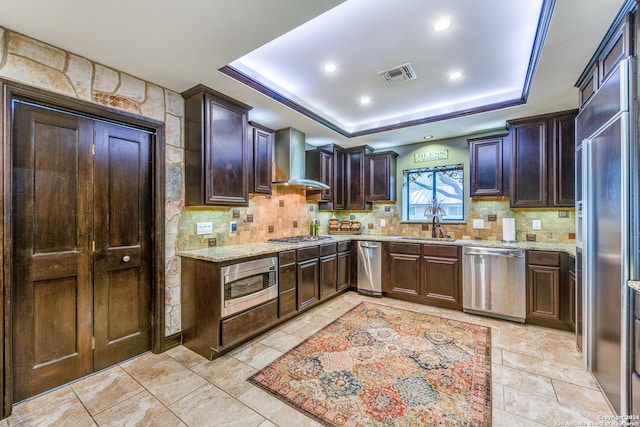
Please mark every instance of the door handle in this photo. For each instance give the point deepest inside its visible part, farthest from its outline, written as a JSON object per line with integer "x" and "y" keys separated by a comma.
{"x": 126, "y": 258}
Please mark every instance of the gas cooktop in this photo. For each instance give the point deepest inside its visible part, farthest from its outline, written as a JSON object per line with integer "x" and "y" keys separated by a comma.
{"x": 300, "y": 239}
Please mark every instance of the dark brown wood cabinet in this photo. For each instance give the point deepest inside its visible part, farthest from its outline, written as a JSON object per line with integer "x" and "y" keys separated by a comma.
{"x": 344, "y": 268}
{"x": 308, "y": 267}
{"x": 542, "y": 170}
{"x": 216, "y": 149}
{"x": 287, "y": 280}
{"x": 487, "y": 166}
{"x": 441, "y": 271}
{"x": 381, "y": 176}
{"x": 319, "y": 167}
{"x": 402, "y": 269}
{"x": 423, "y": 273}
{"x": 261, "y": 158}
{"x": 548, "y": 290}
{"x": 356, "y": 173}
{"x": 328, "y": 275}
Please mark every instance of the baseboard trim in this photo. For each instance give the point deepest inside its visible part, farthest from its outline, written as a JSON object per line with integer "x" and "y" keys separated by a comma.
{"x": 172, "y": 341}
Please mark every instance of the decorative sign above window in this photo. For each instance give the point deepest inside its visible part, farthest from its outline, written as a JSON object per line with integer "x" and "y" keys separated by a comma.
{"x": 431, "y": 156}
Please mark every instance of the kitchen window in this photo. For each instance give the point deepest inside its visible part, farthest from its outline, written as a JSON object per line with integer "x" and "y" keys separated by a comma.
{"x": 438, "y": 189}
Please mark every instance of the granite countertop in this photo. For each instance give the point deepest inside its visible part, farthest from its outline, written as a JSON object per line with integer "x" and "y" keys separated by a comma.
{"x": 231, "y": 252}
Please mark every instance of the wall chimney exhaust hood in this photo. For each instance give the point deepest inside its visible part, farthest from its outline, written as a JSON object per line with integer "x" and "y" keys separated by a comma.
{"x": 290, "y": 159}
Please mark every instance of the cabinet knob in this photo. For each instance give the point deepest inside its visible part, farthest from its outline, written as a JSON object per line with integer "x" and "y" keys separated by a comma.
{"x": 126, "y": 258}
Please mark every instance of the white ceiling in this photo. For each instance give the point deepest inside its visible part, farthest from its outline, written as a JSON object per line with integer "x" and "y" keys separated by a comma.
{"x": 180, "y": 44}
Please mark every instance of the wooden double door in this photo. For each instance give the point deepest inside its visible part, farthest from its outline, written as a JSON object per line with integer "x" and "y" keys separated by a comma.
{"x": 82, "y": 218}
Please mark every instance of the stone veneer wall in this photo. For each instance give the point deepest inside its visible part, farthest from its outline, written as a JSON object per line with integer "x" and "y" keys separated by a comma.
{"x": 37, "y": 64}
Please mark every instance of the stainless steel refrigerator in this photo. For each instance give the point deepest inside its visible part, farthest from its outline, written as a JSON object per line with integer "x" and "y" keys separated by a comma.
{"x": 603, "y": 232}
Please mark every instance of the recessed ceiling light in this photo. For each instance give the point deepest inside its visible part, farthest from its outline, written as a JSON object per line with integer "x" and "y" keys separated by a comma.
{"x": 330, "y": 67}
{"x": 442, "y": 24}
{"x": 455, "y": 75}
{"x": 365, "y": 100}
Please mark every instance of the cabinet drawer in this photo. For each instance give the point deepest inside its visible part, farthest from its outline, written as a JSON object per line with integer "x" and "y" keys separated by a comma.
{"x": 440, "y": 251}
{"x": 544, "y": 258}
{"x": 344, "y": 246}
{"x": 287, "y": 277}
{"x": 287, "y": 302}
{"x": 307, "y": 253}
{"x": 328, "y": 249}
{"x": 287, "y": 257}
{"x": 243, "y": 325}
{"x": 405, "y": 248}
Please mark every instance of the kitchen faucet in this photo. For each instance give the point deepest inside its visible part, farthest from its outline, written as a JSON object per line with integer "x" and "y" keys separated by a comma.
{"x": 436, "y": 224}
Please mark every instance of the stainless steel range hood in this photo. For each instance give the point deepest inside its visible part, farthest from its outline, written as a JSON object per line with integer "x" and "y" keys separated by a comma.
{"x": 289, "y": 155}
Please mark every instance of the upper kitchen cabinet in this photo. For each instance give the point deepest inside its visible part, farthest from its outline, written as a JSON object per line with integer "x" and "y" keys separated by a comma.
{"x": 261, "y": 153}
{"x": 381, "y": 177}
{"x": 356, "y": 174}
{"x": 216, "y": 149}
{"x": 319, "y": 167}
{"x": 486, "y": 156}
{"x": 542, "y": 160}
{"x": 618, "y": 45}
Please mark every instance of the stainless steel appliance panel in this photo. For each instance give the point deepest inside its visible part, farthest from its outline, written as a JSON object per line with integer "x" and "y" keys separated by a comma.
{"x": 248, "y": 284}
{"x": 370, "y": 268}
{"x": 494, "y": 282}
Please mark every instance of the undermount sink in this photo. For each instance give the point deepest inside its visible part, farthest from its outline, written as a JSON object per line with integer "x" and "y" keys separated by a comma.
{"x": 431, "y": 239}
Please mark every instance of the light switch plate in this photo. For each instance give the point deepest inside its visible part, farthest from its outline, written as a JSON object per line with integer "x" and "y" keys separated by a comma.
{"x": 233, "y": 227}
{"x": 383, "y": 222}
{"x": 536, "y": 224}
{"x": 478, "y": 223}
{"x": 204, "y": 228}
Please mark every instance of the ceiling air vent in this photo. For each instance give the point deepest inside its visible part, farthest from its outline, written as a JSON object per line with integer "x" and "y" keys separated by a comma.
{"x": 401, "y": 72}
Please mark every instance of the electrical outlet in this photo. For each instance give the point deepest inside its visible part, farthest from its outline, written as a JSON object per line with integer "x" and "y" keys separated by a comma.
{"x": 478, "y": 223}
{"x": 233, "y": 227}
{"x": 213, "y": 242}
{"x": 563, "y": 214}
{"x": 531, "y": 237}
{"x": 536, "y": 224}
{"x": 249, "y": 217}
{"x": 387, "y": 208}
{"x": 295, "y": 224}
{"x": 204, "y": 228}
{"x": 271, "y": 229}
{"x": 370, "y": 226}
{"x": 425, "y": 226}
{"x": 492, "y": 217}
{"x": 383, "y": 222}
{"x": 236, "y": 213}
{"x": 281, "y": 203}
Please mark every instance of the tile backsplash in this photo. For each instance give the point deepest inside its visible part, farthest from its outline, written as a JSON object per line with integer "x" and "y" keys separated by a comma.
{"x": 278, "y": 214}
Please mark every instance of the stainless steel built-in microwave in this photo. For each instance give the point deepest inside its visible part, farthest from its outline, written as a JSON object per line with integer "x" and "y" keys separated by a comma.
{"x": 248, "y": 284}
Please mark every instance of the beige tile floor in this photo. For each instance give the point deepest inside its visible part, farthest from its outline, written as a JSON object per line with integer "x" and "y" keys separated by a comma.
{"x": 537, "y": 379}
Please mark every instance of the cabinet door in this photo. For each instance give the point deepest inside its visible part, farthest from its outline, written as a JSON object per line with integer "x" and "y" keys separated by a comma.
{"x": 262, "y": 159}
{"x": 356, "y": 171}
{"x": 529, "y": 164}
{"x": 381, "y": 183}
{"x": 404, "y": 271}
{"x": 216, "y": 149}
{"x": 543, "y": 292}
{"x": 563, "y": 161}
{"x": 485, "y": 161}
{"x": 287, "y": 289}
{"x": 344, "y": 270}
{"x": 338, "y": 189}
{"x": 441, "y": 284}
{"x": 319, "y": 167}
{"x": 307, "y": 283}
{"x": 328, "y": 275}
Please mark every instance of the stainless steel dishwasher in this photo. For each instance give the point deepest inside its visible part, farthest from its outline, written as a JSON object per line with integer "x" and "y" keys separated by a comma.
{"x": 369, "y": 268}
{"x": 494, "y": 282}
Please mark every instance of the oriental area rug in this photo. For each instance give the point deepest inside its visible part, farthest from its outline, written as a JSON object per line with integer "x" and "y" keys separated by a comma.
{"x": 384, "y": 366}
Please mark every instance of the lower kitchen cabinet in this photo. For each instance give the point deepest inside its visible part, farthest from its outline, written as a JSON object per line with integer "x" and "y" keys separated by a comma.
{"x": 328, "y": 265}
{"x": 403, "y": 269}
{"x": 287, "y": 294}
{"x": 427, "y": 274}
{"x": 548, "y": 293}
{"x": 442, "y": 284}
{"x": 344, "y": 266}
{"x": 308, "y": 273}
